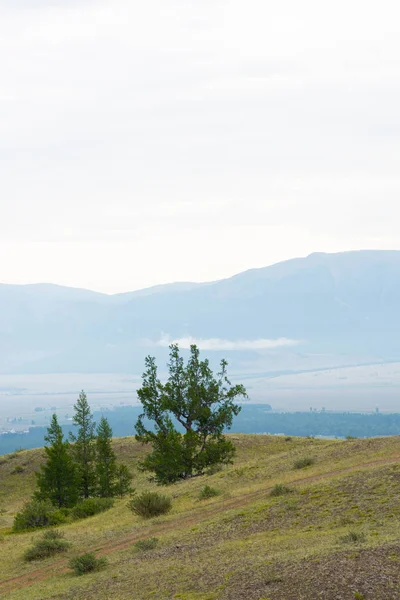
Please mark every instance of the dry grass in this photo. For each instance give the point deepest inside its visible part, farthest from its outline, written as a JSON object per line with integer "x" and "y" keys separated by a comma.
{"x": 241, "y": 544}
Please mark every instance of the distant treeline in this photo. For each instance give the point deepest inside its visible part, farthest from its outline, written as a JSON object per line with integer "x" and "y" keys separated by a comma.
{"x": 252, "y": 419}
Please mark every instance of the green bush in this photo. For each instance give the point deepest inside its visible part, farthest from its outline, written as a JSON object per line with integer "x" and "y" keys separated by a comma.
{"x": 145, "y": 545}
{"x": 353, "y": 537}
{"x": 302, "y": 463}
{"x": 60, "y": 516}
{"x": 52, "y": 534}
{"x": 17, "y": 470}
{"x": 41, "y": 513}
{"x": 52, "y": 542}
{"x": 91, "y": 506}
{"x": 87, "y": 563}
{"x": 150, "y": 504}
{"x": 36, "y": 513}
{"x": 280, "y": 490}
{"x": 208, "y": 492}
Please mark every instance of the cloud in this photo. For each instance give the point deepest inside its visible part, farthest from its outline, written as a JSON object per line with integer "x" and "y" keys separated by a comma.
{"x": 219, "y": 344}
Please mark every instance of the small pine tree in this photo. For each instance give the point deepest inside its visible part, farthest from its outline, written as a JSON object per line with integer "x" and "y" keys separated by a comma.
{"x": 106, "y": 468}
{"x": 84, "y": 449}
{"x": 57, "y": 479}
{"x": 123, "y": 481}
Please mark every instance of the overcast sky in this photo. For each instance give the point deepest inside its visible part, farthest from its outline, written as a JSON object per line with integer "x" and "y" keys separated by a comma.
{"x": 170, "y": 140}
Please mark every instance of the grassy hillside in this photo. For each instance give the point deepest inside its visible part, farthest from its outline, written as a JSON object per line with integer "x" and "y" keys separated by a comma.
{"x": 242, "y": 544}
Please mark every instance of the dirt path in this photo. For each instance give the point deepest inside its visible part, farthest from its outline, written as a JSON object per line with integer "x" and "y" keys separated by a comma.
{"x": 156, "y": 530}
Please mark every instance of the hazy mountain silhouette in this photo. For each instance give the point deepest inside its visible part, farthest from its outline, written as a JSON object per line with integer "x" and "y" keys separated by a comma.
{"x": 340, "y": 304}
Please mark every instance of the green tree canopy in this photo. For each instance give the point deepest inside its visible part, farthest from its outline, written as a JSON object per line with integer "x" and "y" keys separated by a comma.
{"x": 106, "y": 467}
{"x": 203, "y": 404}
{"x": 84, "y": 449}
{"x": 123, "y": 481}
{"x": 57, "y": 478}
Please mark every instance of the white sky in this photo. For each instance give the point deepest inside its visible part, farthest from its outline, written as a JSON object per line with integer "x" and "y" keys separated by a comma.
{"x": 167, "y": 140}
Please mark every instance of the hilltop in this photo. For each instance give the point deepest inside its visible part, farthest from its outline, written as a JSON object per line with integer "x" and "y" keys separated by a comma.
{"x": 243, "y": 543}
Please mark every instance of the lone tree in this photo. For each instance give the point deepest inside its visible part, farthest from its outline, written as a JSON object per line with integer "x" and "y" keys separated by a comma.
{"x": 84, "y": 449}
{"x": 57, "y": 478}
{"x": 202, "y": 404}
{"x": 106, "y": 466}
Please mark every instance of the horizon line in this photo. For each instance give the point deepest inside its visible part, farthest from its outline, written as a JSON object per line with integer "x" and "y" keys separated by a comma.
{"x": 192, "y": 282}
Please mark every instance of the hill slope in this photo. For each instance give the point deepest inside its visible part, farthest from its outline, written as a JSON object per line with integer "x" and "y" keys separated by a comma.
{"x": 243, "y": 544}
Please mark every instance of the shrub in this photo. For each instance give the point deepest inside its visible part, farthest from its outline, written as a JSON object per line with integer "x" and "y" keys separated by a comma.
{"x": 208, "y": 492}
{"x": 302, "y": 463}
{"x": 53, "y": 534}
{"x": 353, "y": 537}
{"x": 60, "y": 516}
{"x": 280, "y": 490}
{"x": 359, "y": 596}
{"x": 288, "y": 438}
{"x": 52, "y": 542}
{"x": 17, "y": 470}
{"x": 91, "y": 506}
{"x": 36, "y": 513}
{"x": 87, "y": 563}
{"x": 144, "y": 545}
{"x": 150, "y": 504}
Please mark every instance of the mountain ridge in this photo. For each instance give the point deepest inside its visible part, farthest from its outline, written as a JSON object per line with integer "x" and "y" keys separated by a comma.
{"x": 187, "y": 285}
{"x": 343, "y": 304}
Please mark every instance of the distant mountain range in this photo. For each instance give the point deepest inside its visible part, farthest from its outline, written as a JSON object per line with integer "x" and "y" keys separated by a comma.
{"x": 324, "y": 309}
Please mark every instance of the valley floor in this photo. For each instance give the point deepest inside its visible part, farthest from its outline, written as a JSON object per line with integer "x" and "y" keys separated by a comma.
{"x": 244, "y": 543}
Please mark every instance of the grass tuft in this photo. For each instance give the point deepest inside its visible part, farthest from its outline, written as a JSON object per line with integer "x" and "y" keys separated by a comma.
{"x": 208, "y": 492}
{"x": 353, "y": 537}
{"x": 17, "y": 470}
{"x": 302, "y": 463}
{"x": 280, "y": 490}
{"x": 146, "y": 545}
